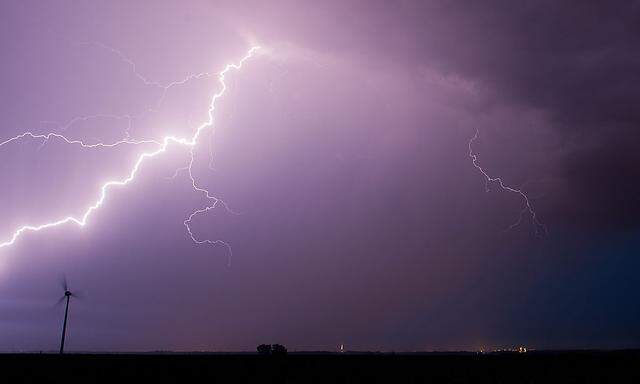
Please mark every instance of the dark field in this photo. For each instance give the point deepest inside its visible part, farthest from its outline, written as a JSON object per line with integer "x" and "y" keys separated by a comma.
{"x": 556, "y": 367}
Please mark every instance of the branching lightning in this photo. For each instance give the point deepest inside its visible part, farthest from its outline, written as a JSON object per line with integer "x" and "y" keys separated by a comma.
{"x": 160, "y": 147}
{"x": 540, "y": 228}
{"x": 48, "y": 136}
{"x": 164, "y": 88}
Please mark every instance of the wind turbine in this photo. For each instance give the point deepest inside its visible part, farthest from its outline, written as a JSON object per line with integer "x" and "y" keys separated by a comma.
{"x": 67, "y": 295}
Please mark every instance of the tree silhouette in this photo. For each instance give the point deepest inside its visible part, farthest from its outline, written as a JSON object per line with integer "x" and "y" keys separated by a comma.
{"x": 264, "y": 349}
{"x": 278, "y": 350}
{"x": 272, "y": 350}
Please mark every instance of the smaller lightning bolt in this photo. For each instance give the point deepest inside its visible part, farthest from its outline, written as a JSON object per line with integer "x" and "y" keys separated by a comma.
{"x": 157, "y": 104}
{"x": 47, "y": 136}
{"x": 78, "y": 119}
{"x": 214, "y": 203}
{"x": 164, "y": 87}
{"x": 540, "y": 228}
{"x": 139, "y": 75}
{"x": 177, "y": 172}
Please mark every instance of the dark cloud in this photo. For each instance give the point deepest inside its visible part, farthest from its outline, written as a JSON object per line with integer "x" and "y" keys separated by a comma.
{"x": 576, "y": 61}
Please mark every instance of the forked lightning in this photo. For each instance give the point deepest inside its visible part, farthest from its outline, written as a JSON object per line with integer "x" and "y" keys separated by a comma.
{"x": 160, "y": 147}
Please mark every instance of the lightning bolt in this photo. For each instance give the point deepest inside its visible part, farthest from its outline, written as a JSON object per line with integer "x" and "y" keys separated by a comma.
{"x": 161, "y": 147}
{"x": 150, "y": 83}
{"x": 48, "y": 136}
{"x": 539, "y": 227}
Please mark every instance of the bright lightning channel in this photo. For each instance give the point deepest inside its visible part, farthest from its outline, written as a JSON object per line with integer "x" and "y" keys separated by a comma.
{"x": 162, "y": 147}
{"x": 540, "y": 228}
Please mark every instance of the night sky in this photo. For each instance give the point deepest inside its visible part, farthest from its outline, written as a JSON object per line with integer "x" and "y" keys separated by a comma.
{"x": 356, "y": 215}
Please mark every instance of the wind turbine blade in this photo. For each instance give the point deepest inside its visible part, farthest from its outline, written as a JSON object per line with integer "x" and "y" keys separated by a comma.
{"x": 78, "y": 294}
{"x": 59, "y": 302}
{"x": 63, "y": 283}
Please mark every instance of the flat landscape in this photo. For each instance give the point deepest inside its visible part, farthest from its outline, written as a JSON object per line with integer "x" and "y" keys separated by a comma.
{"x": 537, "y": 367}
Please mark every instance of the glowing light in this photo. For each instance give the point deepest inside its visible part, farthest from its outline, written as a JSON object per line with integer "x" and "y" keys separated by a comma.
{"x": 161, "y": 147}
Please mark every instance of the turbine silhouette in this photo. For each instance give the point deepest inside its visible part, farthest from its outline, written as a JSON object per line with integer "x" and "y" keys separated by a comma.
{"x": 67, "y": 295}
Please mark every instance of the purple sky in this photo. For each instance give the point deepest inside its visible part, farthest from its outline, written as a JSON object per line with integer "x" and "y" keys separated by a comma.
{"x": 343, "y": 146}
